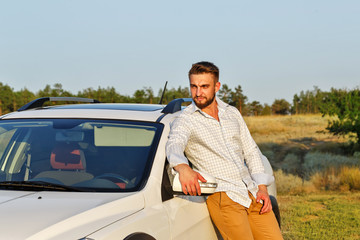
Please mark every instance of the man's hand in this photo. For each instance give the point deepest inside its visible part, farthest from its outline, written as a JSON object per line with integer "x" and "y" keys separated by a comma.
{"x": 263, "y": 194}
{"x": 189, "y": 179}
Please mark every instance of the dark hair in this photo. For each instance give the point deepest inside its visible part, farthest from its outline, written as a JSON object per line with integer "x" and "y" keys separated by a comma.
{"x": 205, "y": 67}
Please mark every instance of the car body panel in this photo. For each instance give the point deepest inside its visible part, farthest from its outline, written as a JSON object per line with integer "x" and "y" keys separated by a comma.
{"x": 7, "y": 196}
{"x": 48, "y": 215}
{"x": 152, "y": 221}
{"x": 179, "y": 210}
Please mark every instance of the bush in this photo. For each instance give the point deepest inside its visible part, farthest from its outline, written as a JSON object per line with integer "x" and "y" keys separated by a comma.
{"x": 291, "y": 164}
{"x": 291, "y": 184}
{"x": 350, "y": 177}
{"x": 343, "y": 179}
{"x": 317, "y": 162}
{"x": 326, "y": 180}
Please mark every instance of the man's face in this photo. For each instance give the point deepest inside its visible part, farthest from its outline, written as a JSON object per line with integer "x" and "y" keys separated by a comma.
{"x": 203, "y": 89}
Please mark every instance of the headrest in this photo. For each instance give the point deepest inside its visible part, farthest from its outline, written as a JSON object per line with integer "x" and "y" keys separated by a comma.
{"x": 68, "y": 157}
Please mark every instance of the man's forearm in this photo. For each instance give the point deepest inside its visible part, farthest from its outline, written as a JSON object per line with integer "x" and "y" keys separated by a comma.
{"x": 189, "y": 179}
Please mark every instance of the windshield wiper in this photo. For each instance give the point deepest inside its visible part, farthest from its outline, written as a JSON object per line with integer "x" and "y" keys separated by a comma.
{"x": 36, "y": 186}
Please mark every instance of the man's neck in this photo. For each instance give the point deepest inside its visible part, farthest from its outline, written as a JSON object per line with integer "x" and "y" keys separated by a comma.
{"x": 212, "y": 110}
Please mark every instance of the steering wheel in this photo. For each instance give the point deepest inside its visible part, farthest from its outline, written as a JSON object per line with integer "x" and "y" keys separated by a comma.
{"x": 114, "y": 178}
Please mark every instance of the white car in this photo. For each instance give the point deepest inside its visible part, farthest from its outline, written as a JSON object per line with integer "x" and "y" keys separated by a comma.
{"x": 95, "y": 171}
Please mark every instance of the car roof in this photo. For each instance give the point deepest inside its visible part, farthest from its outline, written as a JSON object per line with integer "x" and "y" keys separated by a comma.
{"x": 114, "y": 106}
{"x": 86, "y": 112}
{"x": 96, "y": 110}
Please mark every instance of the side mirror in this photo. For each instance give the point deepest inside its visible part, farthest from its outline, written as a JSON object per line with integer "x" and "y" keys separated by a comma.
{"x": 207, "y": 188}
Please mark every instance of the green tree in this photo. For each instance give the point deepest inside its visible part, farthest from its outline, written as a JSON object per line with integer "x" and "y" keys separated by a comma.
{"x": 173, "y": 93}
{"x": 140, "y": 96}
{"x": 55, "y": 91}
{"x": 296, "y": 103}
{"x": 345, "y": 106}
{"x": 111, "y": 96}
{"x": 307, "y": 102}
{"x": 225, "y": 93}
{"x": 254, "y": 108}
{"x": 280, "y": 107}
{"x": 108, "y": 95}
{"x": 266, "y": 110}
{"x": 239, "y": 100}
{"x": 235, "y": 98}
{"x": 149, "y": 94}
{"x": 6, "y": 99}
{"x": 87, "y": 93}
{"x": 22, "y": 97}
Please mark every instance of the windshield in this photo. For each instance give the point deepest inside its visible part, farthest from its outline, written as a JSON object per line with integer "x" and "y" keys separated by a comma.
{"x": 90, "y": 155}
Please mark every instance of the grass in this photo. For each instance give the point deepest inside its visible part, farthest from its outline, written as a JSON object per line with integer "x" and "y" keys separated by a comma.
{"x": 293, "y": 142}
{"x": 291, "y": 184}
{"x": 316, "y": 176}
{"x": 282, "y": 129}
{"x": 326, "y": 215}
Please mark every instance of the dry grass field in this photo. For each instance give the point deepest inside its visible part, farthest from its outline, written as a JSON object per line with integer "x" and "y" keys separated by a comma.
{"x": 290, "y": 128}
{"x": 288, "y": 140}
{"x": 317, "y": 176}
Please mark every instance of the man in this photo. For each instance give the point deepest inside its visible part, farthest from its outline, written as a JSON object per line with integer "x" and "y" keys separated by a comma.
{"x": 213, "y": 136}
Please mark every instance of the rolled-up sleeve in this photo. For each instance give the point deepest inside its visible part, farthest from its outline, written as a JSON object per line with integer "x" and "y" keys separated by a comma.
{"x": 176, "y": 144}
{"x": 263, "y": 178}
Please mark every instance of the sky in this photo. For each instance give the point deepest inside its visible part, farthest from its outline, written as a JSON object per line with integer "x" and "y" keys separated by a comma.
{"x": 272, "y": 49}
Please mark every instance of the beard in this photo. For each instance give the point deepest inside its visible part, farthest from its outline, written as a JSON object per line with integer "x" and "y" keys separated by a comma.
{"x": 206, "y": 103}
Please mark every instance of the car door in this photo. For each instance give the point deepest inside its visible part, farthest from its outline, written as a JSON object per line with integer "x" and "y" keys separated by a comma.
{"x": 189, "y": 218}
{"x": 188, "y": 215}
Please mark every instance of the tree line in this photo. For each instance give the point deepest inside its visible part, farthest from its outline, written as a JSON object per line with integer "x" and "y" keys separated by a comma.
{"x": 11, "y": 100}
{"x": 306, "y": 102}
{"x": 342, "y": 103}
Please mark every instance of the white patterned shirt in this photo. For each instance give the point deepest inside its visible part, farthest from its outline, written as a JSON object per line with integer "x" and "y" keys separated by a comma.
{"x": 223, "y": 149}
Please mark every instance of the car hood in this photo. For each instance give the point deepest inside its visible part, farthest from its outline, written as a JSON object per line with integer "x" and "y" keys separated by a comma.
{"x": 62, "y": 215}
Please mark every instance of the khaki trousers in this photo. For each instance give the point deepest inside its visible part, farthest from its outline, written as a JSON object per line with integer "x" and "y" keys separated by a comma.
{"x": 236, "y": 222}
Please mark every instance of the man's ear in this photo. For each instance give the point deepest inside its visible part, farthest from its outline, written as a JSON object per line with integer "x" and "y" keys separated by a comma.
{"x": 217, "y": 86}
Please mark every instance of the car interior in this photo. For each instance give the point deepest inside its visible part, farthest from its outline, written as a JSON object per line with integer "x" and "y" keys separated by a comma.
{"x": 90, "y": 155}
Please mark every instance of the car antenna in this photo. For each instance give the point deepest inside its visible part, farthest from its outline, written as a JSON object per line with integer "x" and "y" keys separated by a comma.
{"x": 163, "y": 93}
